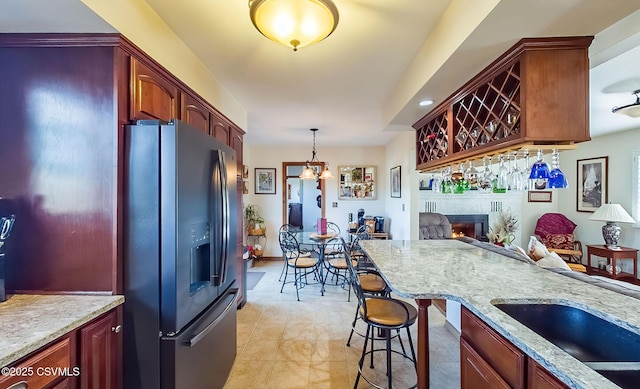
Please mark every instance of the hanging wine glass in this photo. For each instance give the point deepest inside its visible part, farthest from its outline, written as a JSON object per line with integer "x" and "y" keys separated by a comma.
{"x": 502, "y": 180}
{"x": 486, "y": 180}
{"x": 557, "y": 180}
{"x": 516, "y": 180}
{"x": 437, "y": 182}
{"x": 526, "y": 171}
{"x": 471, "y": 175}
{"x": 539, "y": 172}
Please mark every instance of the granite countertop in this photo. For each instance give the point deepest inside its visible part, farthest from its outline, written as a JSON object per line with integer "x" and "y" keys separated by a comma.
{"x": 478, "y": 278}
{"x": 28, "y": 322}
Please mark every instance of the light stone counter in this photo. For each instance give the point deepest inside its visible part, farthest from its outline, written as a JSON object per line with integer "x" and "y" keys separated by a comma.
{"x": 477, "y": 278}
{"x": 28, "y": 322}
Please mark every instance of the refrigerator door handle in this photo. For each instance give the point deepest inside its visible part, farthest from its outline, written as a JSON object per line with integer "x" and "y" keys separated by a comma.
{"x": 221, "y": 205}
{"x": 197, "y": 337}
{"x": 226, "y": 216}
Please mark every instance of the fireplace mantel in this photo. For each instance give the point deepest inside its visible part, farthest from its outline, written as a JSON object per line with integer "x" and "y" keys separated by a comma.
{"x": 474, "y": 202}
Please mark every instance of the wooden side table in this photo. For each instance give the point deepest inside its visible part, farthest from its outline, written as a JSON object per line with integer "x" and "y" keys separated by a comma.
{"x": 612, "y": 257}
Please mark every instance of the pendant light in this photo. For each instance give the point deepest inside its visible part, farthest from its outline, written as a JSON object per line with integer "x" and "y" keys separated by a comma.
{"x": 309, "y": 173}
{"x": 294, "y": 23}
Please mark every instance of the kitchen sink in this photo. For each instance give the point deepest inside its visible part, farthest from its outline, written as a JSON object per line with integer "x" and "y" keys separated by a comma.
{"x": 611, "y": 350}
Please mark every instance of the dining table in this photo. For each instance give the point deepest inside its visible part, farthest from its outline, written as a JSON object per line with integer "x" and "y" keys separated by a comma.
{"x": 320, "y": 242}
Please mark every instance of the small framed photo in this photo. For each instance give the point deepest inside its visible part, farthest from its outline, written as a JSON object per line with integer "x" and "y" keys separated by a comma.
{"x": 245, "y": 172}
{"x": 592, "y": 180}
{"x": 395, "y": 182}
{"x": 539, "y": 196}
{"x": 356, "y": 174}
{"x": 265, "y": 179}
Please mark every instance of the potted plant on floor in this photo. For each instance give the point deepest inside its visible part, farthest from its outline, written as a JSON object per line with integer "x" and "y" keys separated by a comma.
{"x": 253, "y": 221}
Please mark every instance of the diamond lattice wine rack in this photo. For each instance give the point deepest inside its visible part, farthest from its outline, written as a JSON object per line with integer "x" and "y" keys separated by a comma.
{"x": 534, "y": 95}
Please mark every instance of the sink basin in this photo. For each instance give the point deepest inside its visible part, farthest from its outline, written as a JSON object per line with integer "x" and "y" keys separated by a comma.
{"x": 611, "y": 350}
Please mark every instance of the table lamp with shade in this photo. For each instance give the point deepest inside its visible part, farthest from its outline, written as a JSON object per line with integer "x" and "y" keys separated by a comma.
{"x": 612, "y": 214}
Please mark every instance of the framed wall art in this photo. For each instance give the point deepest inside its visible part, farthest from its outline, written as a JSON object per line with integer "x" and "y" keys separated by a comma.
{"x": 592, "y": 189}
{"x": 265, "y": 179}
{"x": 539, "y": 196}
{"x": 357, "y": 183}
{"x": 395, "y": 182}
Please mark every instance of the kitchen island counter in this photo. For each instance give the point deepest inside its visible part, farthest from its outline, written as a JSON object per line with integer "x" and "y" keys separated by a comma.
{"x": 478, "y": 279}
{"x": 28, "y": 322}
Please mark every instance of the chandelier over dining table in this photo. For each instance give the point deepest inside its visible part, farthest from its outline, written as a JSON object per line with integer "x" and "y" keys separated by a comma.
{"x": 309, "y": 172}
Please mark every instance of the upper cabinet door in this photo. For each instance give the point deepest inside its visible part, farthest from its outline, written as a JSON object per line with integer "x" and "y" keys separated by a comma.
{"x": 152, "y": 96}
{"x": 237, "y": 144}
{"x": 220, "y": 129}
{"x": 194, "y": 113}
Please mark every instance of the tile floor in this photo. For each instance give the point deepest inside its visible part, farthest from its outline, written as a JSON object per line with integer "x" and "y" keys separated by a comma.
{"x": 289, "y": 344}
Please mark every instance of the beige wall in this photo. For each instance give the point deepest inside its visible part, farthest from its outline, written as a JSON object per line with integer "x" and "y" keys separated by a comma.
{"x": 271, "y": 205}
{"x": 401, "y": 211}
{"x": 619, "y": 149}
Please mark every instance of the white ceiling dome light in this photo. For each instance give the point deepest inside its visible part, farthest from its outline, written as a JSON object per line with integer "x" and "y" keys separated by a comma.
{"x": 631, "y": 110}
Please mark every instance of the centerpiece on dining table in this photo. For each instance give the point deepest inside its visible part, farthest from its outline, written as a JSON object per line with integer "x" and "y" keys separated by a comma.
{"x": 321, "y": 230}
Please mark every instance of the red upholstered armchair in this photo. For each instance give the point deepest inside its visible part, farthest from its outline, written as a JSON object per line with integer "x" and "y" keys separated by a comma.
{"x": 555, "y": 231}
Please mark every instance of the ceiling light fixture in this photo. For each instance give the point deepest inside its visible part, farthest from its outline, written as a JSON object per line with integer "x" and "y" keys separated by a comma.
{"x": 425, "y": 103}
{"x": 631, "y": 110}
{"x": 294, "y": 23}
{"x": 309, "y": 173}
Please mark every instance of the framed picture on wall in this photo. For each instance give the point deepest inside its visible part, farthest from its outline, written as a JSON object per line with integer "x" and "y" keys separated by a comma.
{"x": 395, "y": 182}
{"x": 592, "y": 189}
{"x": 265, "y": 179}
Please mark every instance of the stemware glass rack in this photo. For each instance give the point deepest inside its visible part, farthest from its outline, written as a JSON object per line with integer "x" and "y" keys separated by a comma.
{"x": 535, "y": 94}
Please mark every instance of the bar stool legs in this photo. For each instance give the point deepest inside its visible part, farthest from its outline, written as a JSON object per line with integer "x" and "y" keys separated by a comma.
{"x": 389, "y": 351}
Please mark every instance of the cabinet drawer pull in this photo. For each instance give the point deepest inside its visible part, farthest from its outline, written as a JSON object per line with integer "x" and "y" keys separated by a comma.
{"x": 19, "y": 385}
{"x": 116, "y": 329}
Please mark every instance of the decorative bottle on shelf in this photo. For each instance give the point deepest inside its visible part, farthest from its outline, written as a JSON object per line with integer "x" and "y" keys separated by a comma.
{"x": 447, "y": 184}
{"x": 502, "y": 181}
{"x": 458, "y": 180}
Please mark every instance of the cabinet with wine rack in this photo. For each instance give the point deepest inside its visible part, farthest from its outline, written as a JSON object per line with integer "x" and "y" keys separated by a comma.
{"x": 534, "y": 95}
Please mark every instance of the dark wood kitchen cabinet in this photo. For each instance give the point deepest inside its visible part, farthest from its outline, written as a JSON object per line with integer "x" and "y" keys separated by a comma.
{"x": 87, "y": 355}
{"x": 99, "y": 345}
{"x": 62, "y": 151}
{"x": 152, "y": 95}
{"x": 220, "y": 129}
{"x": 59, "y": 354}
{"x": 475, "y": 372}
{"x": 535, "y": 94}
{"x": 194, "y": 113}
{"x": 488, "y": 360}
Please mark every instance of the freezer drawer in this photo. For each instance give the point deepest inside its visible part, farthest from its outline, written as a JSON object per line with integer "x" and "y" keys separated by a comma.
{"x": 202, "y": 355}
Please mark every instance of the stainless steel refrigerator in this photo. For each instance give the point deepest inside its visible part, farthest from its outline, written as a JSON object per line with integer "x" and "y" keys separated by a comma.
{"x": 179, "y": 258}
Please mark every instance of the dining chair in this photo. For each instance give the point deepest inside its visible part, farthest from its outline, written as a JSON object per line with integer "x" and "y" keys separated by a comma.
{"x": 301, "y": 266}
{"x": 304, "y": 251}
{"x": 385, "y": 314}
{"x": 333, "y": 248}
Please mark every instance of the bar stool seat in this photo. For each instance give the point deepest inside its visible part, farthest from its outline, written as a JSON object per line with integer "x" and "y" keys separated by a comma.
{"x": 389, "y": 312}
{"x": 372, "y": 283}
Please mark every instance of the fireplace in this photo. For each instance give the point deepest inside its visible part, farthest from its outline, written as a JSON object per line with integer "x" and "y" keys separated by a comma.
{"x": 475, "y": 226}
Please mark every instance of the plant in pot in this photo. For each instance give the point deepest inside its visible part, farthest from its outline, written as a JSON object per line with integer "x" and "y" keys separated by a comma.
{"x": 253, "y": 220}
